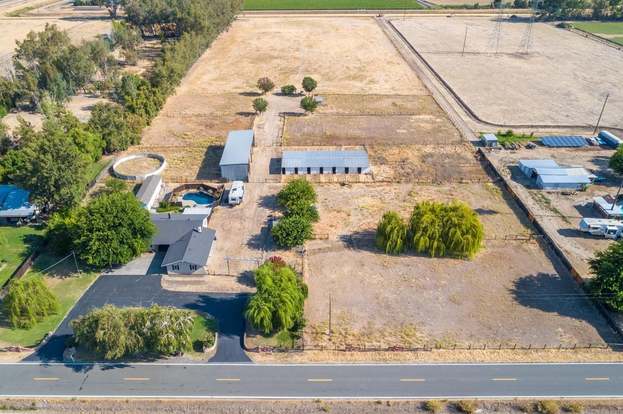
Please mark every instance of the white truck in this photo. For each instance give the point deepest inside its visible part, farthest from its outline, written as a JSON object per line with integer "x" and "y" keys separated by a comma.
{"x": 608, "y": 228}
{"x": 236, "y": 193}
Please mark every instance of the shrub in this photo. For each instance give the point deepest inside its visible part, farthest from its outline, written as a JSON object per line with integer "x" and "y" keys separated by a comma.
{"x": 288, "y": 90}
{"x": 260, "y": 105}
{"x": 277, "y": 261}
{"x": 309, "y": 104}
{"x": 466, "y": 406}
{"x": 265, "y": 85}
{"x": 292, "y": 231}
{"x": 573, "y": 407}
{"x": 309, "y": 84}
{"x": 616, "y": 161}
{"x": 28, "y": 301}
{"x": 391, "y": 233}
{"x": 547, "y": 407}
{"x": 432, "y": 406}
{"x": 114, "y": 333}
{"x": 296, "y": 192}
{"x": 607, "y": 266}
{"x": 278, "y": 303}
{"x": 445, "y": 229}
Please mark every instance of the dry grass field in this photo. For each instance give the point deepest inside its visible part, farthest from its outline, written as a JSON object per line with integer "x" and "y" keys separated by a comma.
{"x": 561, "y": 80}
{"x": 512, "y": 292}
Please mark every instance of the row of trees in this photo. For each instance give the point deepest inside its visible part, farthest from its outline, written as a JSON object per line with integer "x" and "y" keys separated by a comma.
{"x": 571, "y": 9}
{"x": 114, "y": 333}
{"x": 308, "y": 103}
{"x": 298, "y": 199}
{"x": 434, "y": 228}
{"x": 278, "y": 303}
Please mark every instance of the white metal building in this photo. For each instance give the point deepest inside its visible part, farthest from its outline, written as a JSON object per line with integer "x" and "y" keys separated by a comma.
{"x": 325, "y": 162}
{"x": 237, "y": 155}
{"x": 149, "y": 191}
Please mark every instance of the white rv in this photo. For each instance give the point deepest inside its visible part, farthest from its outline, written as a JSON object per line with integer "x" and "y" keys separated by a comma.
{"x": 236, "y": 193}
{"x": 610, "y": 229}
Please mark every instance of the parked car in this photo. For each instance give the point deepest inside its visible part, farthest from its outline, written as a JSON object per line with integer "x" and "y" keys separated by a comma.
{"x": 236, "y": 193}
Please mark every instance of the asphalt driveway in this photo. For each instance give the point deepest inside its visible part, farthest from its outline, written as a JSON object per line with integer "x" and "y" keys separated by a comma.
{"x": 146, "y": 290}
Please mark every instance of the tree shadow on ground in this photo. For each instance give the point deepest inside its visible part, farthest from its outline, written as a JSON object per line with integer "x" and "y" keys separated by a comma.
{"x": 553, "y": 293}
{"x": 485, "y": 212}
{"x": 361, "y": 240}
{"x": 251, "y": 94}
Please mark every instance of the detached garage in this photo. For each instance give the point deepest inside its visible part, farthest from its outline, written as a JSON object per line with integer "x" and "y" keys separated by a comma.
{"x": 325, "y": 162}
{"x": 237, "y": 155}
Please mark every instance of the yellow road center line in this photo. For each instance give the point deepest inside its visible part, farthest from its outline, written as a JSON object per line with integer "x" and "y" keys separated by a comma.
{"x": 503, "y": 379}
{"x": 597, "y": 379}
{"x": 136, "y": 379}
{"x": 319, "y": 379}
{"x": 412, "y": 380}
{"x": 45, "y": 379}
{"x": 228, "y": 379}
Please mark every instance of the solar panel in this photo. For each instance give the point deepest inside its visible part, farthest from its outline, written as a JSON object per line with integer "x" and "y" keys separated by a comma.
{"x": 564, "y": 141}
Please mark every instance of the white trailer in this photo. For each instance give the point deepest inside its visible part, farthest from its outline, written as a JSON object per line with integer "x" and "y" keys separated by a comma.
{"x": 610, "y": 229}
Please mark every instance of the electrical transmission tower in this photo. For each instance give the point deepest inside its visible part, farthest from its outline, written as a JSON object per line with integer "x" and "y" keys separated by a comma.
{"x": 528, "y": 36}
{"x": 494, "y": 40}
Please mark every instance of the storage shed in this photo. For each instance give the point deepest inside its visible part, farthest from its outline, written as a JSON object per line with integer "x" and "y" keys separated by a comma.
{"x": 610, "y": 139}
{"x": 149, "y": 191}
{"x": 562, "y": 182}
{"x": 237, "y": 155}
{"x": 528, "y": 167}
{"x": 489, "y": 140}
{"x": 325, "y": 162}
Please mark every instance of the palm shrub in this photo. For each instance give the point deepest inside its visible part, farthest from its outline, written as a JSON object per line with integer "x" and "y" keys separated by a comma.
{"x": 309, "y": 104}
{"x": 288, "y": 90}
{"x": 278, "y": 303}
{"x": 440, "y": 229}
{"x": 391, "y": 233}
{"x": 28, "y": 301}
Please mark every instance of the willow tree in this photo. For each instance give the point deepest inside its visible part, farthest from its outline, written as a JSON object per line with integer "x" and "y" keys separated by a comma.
{"x": 439, "y": 229}
{"x": 28, "y": 301}
{"x": 391, "y": 233}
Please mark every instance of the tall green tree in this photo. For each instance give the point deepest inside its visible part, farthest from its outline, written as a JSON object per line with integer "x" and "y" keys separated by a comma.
{"x": 309, "y": 84}
{"x": 298, "y": 191}
{"x": 28, "y": 301}
{"x": 391, "y": 233}
{"x": 118, "y": 128}
{"x": 607, "y": 266}
{"x": 265, "y": 85}
{"x": 113, "y": 229}
{"x": 616, "y": 161}
{"x": 292, "y": 231}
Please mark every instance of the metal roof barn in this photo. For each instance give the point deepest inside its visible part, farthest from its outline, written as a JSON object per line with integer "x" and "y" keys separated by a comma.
{"x": 528, "y": 167}
{"x": 562, "y": 182}
{"x": 572, "y": 141}
{"x": 325, "y": 162}
{"x": 237, "y": 155}
{"x": 489, "y": 140}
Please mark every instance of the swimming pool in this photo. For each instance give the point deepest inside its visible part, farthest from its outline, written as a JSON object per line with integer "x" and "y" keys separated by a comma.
{"x": 199, "y": 198}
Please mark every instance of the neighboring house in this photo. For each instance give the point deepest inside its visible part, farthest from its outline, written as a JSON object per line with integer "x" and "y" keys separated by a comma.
{"x": 237, "y": 155}
{"x": 187, "y": 240}
{"x": 15, "y": 204}
{"x": 325, "y": 162}
{"x": 149, "y": 191}
{"x": 608, "y": 207}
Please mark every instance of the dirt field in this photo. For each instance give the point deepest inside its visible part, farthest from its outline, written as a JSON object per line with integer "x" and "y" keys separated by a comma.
{"x": 559, "y": 82}
{"x": 562, "y": 213}
{"x": 510, "y": 293}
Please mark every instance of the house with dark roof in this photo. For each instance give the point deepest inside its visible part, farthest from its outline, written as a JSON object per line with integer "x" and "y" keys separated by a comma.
{"x": 187, "y": 241}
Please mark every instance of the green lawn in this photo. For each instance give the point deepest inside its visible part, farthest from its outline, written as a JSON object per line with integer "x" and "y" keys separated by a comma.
{"x": 201, "y": 327}
{"x": 330, "y": 4}
{"x": 66, "y": 286}
{"x": 16, "y": 243}
{"x": 618, "y": 40}
{"x": 94, "y": 169}
{"x": 510, "y": 137}
{"x": 607, "y": 28}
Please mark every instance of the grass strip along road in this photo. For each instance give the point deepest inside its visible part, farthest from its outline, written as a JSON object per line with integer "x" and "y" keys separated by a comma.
{"x": 331, "y": 4}
{"x": 296, "y": 381}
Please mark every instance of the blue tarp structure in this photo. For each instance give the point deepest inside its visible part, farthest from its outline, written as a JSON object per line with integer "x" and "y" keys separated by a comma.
{"x": 14, "y": 203}
{"x": 574, "y": 141}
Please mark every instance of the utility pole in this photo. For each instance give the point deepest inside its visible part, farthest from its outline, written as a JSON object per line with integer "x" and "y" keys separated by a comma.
{"x": 603, "y": 108}
{"x": 464, "y": 41}
{"x": 330, "y": 305}
{"x": 616, "y": 197}
{"x": 73, "y": 252}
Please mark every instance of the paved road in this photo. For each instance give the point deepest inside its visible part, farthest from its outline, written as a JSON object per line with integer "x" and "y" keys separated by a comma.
{"x": 145, "y": 291}
{"x": 247, "y": 381}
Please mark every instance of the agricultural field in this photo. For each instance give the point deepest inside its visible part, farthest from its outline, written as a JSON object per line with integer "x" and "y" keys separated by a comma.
{"x": 330, "y": 4}
{"x": 608, "y": 30}
{"x": 546, "y": 87}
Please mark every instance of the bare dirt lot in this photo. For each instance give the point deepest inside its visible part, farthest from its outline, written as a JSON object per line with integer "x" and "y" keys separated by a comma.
{"x": 512, "y": 292}
{"x": 561, "y": 213}
{"x": 560, "y": 81}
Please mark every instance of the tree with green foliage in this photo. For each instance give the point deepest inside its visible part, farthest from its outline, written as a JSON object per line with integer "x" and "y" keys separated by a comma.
{"x": 292, "y": 231}
{"x": 61, "y": 231}
{"x": 28, "y": 301}
{"x": 563, "y": 9}
{"x": 440, "y": 229}
{"x": 309, "y": 84}
{"x": 114, "y": 333}
{"x": 118, "y": 128}
{"x": 288, "y": 90}
{"x": 112, "y": 229}
{"x": 391, "y": 233}
{"x": 265, "y": 85}
{"x": 309, "y": 104}
{"x": 260, "y": 105}
{"x": 298, "y": 191}
{"x": 607, "y": 266}
{"x": 616, "y": 161}
{"x": 278, "y": 303}
{"x": 54, "y": 171}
